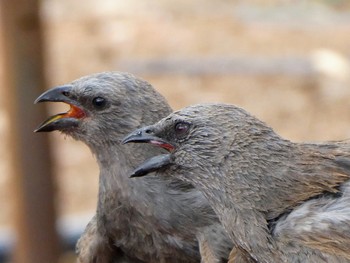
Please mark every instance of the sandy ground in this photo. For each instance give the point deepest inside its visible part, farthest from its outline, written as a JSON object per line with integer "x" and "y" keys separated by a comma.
{"x": 101, "y": 35}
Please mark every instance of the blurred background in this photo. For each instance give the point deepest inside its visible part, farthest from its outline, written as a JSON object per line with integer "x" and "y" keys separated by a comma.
{"x": 287, "y": 62}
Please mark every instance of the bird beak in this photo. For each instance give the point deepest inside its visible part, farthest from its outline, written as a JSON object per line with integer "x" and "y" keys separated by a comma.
{"x": 151, "y": 165}
{"x": 146, "y": 135}
{"x": 61, "y": 121}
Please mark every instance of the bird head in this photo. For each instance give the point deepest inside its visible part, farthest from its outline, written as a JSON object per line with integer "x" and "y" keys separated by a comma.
{"x": 191, "y": 136}
{"x": 201, "y": 136}
{"x": 103, "y": 107}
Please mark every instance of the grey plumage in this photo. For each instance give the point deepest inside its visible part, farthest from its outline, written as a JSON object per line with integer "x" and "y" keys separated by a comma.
{"x": 149, "y": 220}
{"x": 279, "y": 201}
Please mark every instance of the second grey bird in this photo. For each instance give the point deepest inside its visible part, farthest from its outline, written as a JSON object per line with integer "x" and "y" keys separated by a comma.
{"x": 279, "y": 201}
{"x": 151, "y": 220}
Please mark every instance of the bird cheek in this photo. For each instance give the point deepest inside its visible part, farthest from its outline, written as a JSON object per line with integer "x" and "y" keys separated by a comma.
{"x": 183, "y": 159}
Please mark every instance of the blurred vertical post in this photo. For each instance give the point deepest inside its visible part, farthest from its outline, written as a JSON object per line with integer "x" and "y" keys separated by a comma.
{"x": 23, "y": 75}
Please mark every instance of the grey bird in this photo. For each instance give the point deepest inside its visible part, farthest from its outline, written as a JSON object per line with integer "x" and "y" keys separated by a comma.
{"x": 279, "y": 201}
{"x": 149, "y": 220}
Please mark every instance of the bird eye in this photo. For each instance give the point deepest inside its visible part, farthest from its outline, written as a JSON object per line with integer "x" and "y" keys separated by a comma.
{"x": 66, "y": 93}
{"x": 181, "y": 128}
{"x": 99, "y": 102}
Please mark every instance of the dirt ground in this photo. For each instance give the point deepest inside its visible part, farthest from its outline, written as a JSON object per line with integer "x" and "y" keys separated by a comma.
{"x": 106, "y": 35}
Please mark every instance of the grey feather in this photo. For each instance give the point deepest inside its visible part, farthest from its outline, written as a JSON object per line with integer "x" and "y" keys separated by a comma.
{"x": 151, "y": 219}
{"x": 279, "y": 201}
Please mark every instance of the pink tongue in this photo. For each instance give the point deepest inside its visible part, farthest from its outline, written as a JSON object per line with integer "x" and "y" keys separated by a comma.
{"x": 166, "y": 146}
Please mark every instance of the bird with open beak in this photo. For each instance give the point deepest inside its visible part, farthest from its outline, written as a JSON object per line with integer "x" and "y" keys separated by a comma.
{"x": 149, "y": 220}
{"x": 279, "y": 201}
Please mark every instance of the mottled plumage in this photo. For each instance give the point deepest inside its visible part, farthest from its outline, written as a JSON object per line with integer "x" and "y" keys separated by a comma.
{"x": 279, "y": 201}
{"x": 153, "y": 219}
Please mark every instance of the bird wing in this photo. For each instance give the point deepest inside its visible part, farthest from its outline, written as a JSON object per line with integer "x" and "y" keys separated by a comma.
{"x": 319, "y": 170}
{"x": 326, "y": 165}
{"x": 322, "y": 224}
{"x": 248, "y": 229}
{"x": 214, "y": 244}
{"x": 239, "y": 256}
{"x": 92, "y": 246}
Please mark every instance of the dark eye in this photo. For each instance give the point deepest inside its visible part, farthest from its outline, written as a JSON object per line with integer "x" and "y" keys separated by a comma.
{"x": 99, "y": 102}
{"x": 181, "y": 128}
{"x": 66, "y": 93}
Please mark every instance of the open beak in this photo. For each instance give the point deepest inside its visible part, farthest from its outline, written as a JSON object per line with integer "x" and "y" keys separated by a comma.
{"x": 61, "y": 121}
{"x": 145, "y": 135}
{"x": 152, "y": 165}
